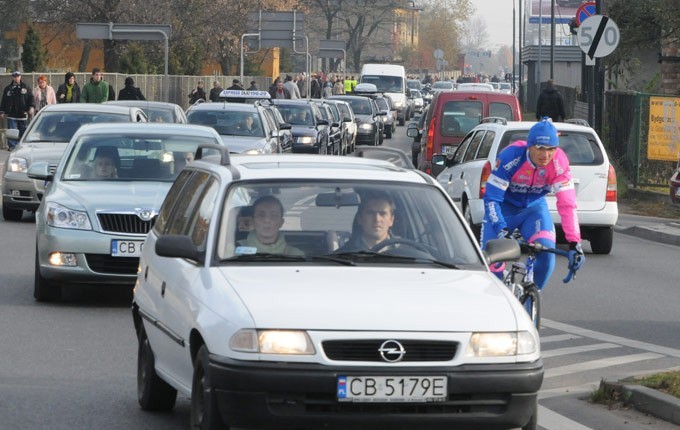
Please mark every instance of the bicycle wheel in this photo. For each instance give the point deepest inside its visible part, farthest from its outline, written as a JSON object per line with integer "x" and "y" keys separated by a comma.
{"x": 531, "y": 300}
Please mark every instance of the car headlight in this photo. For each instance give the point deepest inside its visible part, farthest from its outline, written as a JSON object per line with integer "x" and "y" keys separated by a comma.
{"x": 252, "y": 152}
{"x": 293, "y": 342}
{"x": 62, "y": 217}
{"x": 366, "y": 127}
{"x": 501, "y": 344}
{"x": 307, "y": 140}
{"x": 17, "y": 165}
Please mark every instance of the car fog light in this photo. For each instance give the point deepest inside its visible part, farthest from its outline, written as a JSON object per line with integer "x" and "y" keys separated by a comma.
{"x": 63, "y": 259}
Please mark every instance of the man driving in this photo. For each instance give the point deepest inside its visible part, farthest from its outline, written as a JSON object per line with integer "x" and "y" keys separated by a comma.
{"x": 264, "y": 238}
{"x": 374, "y": 219}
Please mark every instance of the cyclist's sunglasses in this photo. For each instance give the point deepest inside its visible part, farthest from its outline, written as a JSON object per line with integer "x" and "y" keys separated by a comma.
{"x": 545, "y": 147}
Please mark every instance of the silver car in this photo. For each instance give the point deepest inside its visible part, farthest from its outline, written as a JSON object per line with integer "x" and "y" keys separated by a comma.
{"x": 104, "y": 197}
{"x": 45, "y": 140}
{"x": 156, "y": 111}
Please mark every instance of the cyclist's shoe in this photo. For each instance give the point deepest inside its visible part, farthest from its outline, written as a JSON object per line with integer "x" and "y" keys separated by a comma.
{"x": 504, "y": 234}
{"x": 576, "y": 256}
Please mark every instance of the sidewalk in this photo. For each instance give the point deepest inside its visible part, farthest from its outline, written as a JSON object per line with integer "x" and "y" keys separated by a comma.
{"x": 662, "y": 230}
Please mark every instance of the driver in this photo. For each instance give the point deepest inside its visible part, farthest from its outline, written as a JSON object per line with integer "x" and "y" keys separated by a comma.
{"x": 373, "y": 222}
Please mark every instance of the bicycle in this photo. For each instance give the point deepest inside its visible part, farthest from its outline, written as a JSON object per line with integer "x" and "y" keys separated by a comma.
{"x": 520, "y": 277}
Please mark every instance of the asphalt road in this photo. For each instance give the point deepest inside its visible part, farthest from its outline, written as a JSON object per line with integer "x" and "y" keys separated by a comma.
{"x": 72, "y": 365}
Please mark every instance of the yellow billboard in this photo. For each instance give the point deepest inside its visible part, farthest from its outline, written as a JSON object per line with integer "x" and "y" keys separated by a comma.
{"x": 664, "y": 129}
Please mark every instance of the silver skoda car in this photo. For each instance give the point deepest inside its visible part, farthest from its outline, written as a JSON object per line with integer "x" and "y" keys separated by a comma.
{"x": 103, "y": 199}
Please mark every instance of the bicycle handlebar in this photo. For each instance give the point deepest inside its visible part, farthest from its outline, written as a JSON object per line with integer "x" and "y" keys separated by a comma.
{"x": 537, "y": 247}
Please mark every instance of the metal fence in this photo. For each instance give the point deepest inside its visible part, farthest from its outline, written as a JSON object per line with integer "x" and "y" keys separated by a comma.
{"x": 626, "y": 129}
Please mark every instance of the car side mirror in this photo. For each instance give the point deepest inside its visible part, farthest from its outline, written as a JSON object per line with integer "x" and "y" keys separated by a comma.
{"x": 40, "y": 170}
{"x": 12, "y": 134}
{"x": 502, "y": 250}
{"x": 285, "y": 126}
{"x": 412, "y": 130}
{"x": 321, "y": 122}
{"x": 177, "y": 246}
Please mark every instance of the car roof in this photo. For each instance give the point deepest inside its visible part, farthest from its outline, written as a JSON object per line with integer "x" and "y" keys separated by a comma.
{"x": 526, "y": 125}
{"x": 142, "y": 103}
{"x": 222, "y": 106}
{"x": 149, "y": 128}
{"x": 87, "y": 107}
{"x": 304, "y": 166}
{"x": 293, "y": 101}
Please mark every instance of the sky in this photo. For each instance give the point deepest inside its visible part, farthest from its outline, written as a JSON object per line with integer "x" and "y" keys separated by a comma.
{"x": 497, "y": 14}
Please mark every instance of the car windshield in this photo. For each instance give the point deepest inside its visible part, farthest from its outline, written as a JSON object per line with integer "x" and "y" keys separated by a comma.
{"x": 229, "y": 122}
{"x": 382, "y": 103}
{"x": 159, "y": 114}
{"x": 296, "y": 115}
{"x": 385, "y": 84}
{"x": 459, "y": 117}
{"x": 416, "y": 94}
{"x": 442, "y": 85}
{"x": 348, "y": 223}
{"x": 61, "y": 126}
{"x": 129, "y": 157}
{"x": 361, "y": 106}
{"x": 581, "y": 147}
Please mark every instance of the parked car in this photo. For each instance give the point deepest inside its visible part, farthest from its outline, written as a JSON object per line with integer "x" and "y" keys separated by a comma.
{"x": 103, "y": 198}
{"x": 349, "y": 122}
{"x": 45, "y": 139}
{"x": 453, "y": 114}
{"x": 310, "y": 334}
{"x": 390, "y": 120}
{"x": 335, "y": 131}
{"x": 156, "y": 111}
{"x": 309, "y": 127}
{"x": 464, "y": 176}
{"x": 369, "y": 124}
{"x": 675, "y": 185}
{"x": 244, "y": 127}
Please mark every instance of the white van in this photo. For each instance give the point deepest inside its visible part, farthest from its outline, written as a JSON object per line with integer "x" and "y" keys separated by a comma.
{"x": 390, "y": 79}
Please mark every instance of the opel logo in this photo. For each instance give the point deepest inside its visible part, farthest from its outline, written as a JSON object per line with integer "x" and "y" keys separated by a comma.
{"x": 145, "y": 214}
{"x": 392, "y": 351}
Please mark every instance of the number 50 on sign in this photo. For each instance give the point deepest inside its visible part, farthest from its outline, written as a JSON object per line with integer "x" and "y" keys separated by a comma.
{"x": 598, "y": 36}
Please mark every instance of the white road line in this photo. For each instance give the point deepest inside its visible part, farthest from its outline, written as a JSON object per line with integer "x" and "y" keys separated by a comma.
{"x": 577, "y": 349}
{"x": 558, "y": 338}
{"x": 611, "y": 338}
{"x": 553, "y": 421}
{"x": 599, "y": 364}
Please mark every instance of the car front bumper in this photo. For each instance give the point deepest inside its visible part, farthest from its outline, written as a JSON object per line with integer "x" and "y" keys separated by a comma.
{"x": 21, "y": 192}
{"x": 366, "y": 138}
{"x": 295, "y": 395}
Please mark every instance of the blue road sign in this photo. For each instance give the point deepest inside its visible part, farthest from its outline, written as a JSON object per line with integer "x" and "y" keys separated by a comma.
{"x": 547, "y": 20}
{"x": 584, "y": 11}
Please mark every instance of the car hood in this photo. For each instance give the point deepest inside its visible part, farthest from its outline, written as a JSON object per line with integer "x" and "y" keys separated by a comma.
{"x": 238, "y": 144}
{"x": 365, "y": 298}
{"x": 365, "y": 118}
{"x": 50, "y": 152}
{"x": 109, "y": 196}
{"x": 304, "y": 130}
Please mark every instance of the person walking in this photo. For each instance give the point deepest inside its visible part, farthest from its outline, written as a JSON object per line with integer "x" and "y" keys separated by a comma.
{"x": 17, "y": 105}
{"x": 550, "y": 103}
{"x": 197, "y": 93}
{"x": 97, "y": 90}
{"x": 253, "y": 86}
{"x": 215, "y": 91}
{"x": 130, "y": 92}
{"x": 315, "y": 87}
{"x": 43, "y": 94}
{"x": 69, "y": 91}
{"x": 279, "y": 92}
{"x": 292, "y": 88}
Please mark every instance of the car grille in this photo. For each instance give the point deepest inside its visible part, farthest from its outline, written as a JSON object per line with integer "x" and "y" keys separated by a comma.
{"x": 52, "y": 168}
{"x": 124, "y": 223}
{"x": 367, "y": 350}
{"x": 104, "y": 263}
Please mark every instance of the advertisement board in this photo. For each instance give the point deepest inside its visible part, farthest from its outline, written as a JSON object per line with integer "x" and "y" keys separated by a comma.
{"x": 664, "y": 129}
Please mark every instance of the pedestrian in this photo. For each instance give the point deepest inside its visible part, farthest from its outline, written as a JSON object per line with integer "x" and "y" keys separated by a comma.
{"x": 550, "y": 103}
{"x": 302, "y": 85}
{"x": 69, "y": 91}
{"x": 338, "y": 86}
{"x": 197, "y": 93}
{"x": 280, "y": 92}
{"x": 327, "y": 90}
{"x": 43, "y": 94}
{"x": 292, "y": 88}
{"x": 215, "y": 91}
{"x": 236, "y": 85}
{"x": 97, "y": 90}
{"x": 130, "y": 92}
{"x": 17, "y": 105}
{"x": 315, "y": 87}
{"x": 253, "y": 86}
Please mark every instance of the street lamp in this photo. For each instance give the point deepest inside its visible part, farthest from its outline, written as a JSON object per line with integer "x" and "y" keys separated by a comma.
{"x": 413, "y": 7}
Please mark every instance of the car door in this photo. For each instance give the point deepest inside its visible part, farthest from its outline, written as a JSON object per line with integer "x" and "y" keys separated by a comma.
{"x": 175, "y": 279}
{"x": 446, "y": 177}
{"x": 463, "y": 173}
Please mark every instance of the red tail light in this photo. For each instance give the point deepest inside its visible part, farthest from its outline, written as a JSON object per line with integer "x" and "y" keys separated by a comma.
{"x": 611, "y": 185}
{"x": 486, "y": 172}
{"x": 429, "y": 147}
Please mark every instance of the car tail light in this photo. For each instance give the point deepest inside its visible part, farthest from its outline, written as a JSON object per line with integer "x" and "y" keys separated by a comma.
{"x": 429, "y": 148}
{"x": 486, "y": 172}
{"x": 611, "y": 185}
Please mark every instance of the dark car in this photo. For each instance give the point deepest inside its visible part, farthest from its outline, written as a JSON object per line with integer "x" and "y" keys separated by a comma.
{"x": 273, "y": 114}
{"x": 349, "y": 124}
{"x": 675, "y": 185}
{"x": 334, "y": 126}
{"x": 369, "y": 117}
{"x": 309, "y": 128}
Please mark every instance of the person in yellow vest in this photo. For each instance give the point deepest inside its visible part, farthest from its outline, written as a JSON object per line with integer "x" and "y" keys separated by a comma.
{"x": 349, "y": 85}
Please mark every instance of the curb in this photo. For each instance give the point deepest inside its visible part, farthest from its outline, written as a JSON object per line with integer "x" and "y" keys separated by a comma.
{"x": 646, "y": 400}
{"x": 661, "y": 233}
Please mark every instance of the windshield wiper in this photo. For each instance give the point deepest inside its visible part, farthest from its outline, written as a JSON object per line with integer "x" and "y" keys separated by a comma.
{"x": 264, "y": 256}
{"x": 335, "y": 258}
{"x": 388, "y": 256}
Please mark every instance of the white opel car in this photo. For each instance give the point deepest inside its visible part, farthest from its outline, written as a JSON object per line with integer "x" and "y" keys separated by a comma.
{"x": 303, "y": 291}
{"x": 464, "y": 175}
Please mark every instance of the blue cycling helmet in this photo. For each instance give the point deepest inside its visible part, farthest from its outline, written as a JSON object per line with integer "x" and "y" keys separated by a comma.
{"x": 543, "y": 133}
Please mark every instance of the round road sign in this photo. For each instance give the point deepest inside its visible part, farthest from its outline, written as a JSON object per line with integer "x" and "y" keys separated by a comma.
{"x": 598, "y": 36}
{"x": 584, "y": 11}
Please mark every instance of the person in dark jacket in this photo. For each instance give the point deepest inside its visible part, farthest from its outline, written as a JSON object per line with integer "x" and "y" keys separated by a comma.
{"x": 315, "y": 90}
{"x": 550, "y": 103}
{"x": 130, "y": 92}
{"x": 18, "y": 105}
{"x": 215, "y": 92}
{"x": 69, "y": 91}
{"x": 197, "y": 93}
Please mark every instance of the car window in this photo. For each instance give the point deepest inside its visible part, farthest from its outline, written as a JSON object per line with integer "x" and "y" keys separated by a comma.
{"x": 229, "y": 122}
{"x": 511, "y": 136}
{"x": 199, "y": 224}
{"x": 474, "y": 145}
{"x": 485, "y": 147}
{"x": 297, "y": 114}
{"x": 268, "y": 118}
{"x": 581, "y": 149}
{"x": 170, "y": 200}
{"x": 345, "y": 110}
{"x": 382, "y": 104}
{"x": 466, "y": 113}
{"x": 334, "y": 111}
{"x": 502, "y": 110}
{"x": 322, "y": 219}
{"x": 182, "y": 215}
{"x": 61, "y": 126}
{"x": 361, "y": 106}
{"x": 458, "y": 155}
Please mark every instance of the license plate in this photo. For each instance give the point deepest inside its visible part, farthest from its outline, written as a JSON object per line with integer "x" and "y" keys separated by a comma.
{"x": 392, "y": 388}
{"x": 126, "y": 248}
{"x": 448, "y": 150}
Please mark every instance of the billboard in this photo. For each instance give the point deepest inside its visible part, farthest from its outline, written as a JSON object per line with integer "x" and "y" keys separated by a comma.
{"x": 565, "y": 10}
{"x": 664, "y": 129}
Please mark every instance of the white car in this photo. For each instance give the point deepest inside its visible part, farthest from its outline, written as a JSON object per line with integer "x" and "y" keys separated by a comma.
{"x": 464, "y": 174}
{"x": 296, "y": 328}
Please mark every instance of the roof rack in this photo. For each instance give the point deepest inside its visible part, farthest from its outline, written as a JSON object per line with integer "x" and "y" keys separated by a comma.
{"x": 495, "y": 120}
{"x": 578, "y": 121}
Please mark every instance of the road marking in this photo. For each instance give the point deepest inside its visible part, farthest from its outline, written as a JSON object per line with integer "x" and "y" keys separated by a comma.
{"x": 553, "y": 421}
{"x": 599, "y": 364}
{"x": 558, "y": 338}
{"x": 577, "y": 349}
{"x": 611, "y": 338}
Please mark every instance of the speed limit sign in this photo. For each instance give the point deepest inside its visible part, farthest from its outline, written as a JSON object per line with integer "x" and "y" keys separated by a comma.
{"x": 598, "y": 36}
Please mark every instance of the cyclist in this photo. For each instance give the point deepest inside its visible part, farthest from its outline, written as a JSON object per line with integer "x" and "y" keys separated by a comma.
{"x": 525, "y": 172}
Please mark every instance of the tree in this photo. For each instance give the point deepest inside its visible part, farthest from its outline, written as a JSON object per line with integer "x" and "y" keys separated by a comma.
{"x": 442, "y": 25}
{"x": 133, "y": 60}
{"x": 33, "y": 54}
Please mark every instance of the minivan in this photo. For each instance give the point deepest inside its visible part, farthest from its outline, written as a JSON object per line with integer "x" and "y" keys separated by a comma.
{"x": 453, "y": 114}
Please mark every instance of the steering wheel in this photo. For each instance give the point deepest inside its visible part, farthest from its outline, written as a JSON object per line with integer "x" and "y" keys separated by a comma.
{"x": 400, "y": 241}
